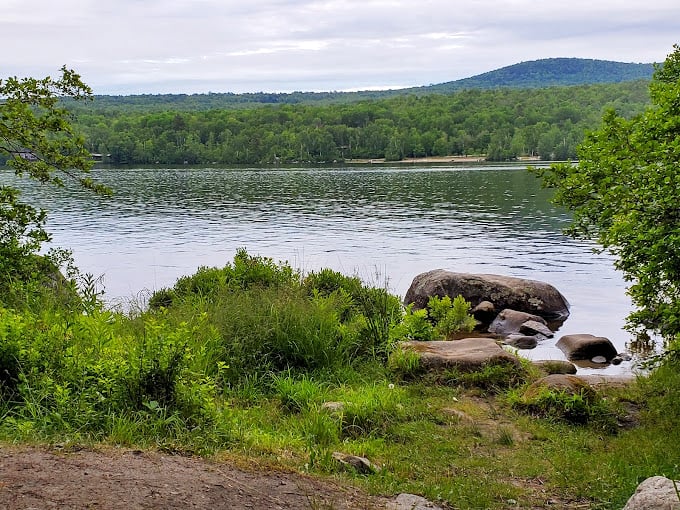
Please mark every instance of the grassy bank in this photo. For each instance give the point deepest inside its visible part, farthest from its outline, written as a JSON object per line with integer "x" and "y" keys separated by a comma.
{"x": 242, "y": 361}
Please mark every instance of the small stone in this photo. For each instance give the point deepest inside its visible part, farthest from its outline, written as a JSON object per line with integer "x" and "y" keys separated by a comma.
{"x": 521, "y": 341}
{"x": 534, "y": 327}
{"x": 333, "y": 407}
{"x": 617, "y": 360}
{"x": 411, "y": 502}
{"x": 360, "y": 464}
{"x": 599, "y": 360}
{"x": 484, "y": 312}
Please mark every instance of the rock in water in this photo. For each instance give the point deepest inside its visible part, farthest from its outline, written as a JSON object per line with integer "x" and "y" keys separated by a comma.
{"x": 586, "y": 347}
{"x": 529, "y": 296}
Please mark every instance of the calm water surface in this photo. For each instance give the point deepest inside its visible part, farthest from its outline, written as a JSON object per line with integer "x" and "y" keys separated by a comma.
{"x": 380, "y": 223}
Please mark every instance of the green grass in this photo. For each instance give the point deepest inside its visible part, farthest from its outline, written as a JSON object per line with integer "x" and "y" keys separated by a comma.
{"x": 244, "y": 369}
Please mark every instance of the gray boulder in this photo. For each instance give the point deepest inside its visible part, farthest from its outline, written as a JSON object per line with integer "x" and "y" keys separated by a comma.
{"x": 529, "y": 296}
{"x": 655, "y": 493}
{"x": 555, "y": 366}
{"x": 509, "y": 322}
{"x": 411, "y": 502}
{"x": 468, "y": 354}
{"x": 586, "y": 347}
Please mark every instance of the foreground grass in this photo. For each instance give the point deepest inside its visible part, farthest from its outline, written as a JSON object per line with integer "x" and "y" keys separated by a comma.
{"x": 238, "y": 363}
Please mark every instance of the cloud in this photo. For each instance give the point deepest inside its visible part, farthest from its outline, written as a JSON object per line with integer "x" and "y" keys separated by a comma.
{"x": 136, "y": 46}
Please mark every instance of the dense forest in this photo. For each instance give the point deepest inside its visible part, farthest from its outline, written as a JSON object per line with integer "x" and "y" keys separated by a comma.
{"x": 502, "y": 124}
{"x": 549, "y": 72}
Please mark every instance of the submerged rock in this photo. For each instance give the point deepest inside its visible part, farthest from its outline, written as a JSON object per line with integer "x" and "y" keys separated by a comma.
{"x": 586, "y": 347}
{"x": 509, "y": 322}
{"x": 521, "y": 341}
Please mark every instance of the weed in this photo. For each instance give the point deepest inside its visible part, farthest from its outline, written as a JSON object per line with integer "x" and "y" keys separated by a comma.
{"x": 450, "y": 316}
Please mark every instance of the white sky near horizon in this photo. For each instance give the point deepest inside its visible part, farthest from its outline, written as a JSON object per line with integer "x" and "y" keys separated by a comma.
{"x": 178, "y": 46}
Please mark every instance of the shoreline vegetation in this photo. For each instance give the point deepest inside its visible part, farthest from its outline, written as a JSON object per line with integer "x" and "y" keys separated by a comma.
{"x": 258, "y": 363}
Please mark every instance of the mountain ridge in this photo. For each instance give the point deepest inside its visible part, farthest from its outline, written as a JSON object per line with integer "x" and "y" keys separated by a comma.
{"x": 542, "y": 73}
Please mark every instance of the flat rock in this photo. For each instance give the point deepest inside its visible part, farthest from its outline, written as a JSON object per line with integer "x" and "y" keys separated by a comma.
{"x": 467, "y": 354}
{"x": 555, "y": 366}
{"x": 520, "y": 294}
{"x": 586, "y": 347}
{"x": 570, "y": 384}
{"x": 411, "y": 502}
{"x": 655, "y": 493}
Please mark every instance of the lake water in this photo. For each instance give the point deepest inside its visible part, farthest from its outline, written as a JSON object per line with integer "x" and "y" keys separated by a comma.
{"x": 382, "y": 223}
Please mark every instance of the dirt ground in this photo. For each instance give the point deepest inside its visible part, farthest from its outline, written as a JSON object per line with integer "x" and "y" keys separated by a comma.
{"x": 40, "y": 478}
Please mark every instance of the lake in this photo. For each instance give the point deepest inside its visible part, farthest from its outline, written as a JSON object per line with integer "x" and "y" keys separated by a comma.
{"x": 385, "y": 224}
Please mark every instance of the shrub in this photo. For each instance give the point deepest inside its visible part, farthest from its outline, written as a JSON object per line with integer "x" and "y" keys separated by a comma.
{"x": 449, "y": 316}
{"x": 576, "y": 407}
{"x": 245, "y": 272}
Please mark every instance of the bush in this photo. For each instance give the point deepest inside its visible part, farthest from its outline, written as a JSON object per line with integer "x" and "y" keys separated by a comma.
{"x": 577, "y": 407}
{"x": 244, "y": 273}
{"x": 450, "y": 317}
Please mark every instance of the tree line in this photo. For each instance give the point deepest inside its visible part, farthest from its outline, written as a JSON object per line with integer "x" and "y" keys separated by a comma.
{"x": 500, "y": 124}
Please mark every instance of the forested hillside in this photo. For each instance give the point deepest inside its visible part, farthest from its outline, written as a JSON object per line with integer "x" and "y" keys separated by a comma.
{"x": 500, "y": 123}
{"x": 535, "y": 74}
{"x": 550, "y": 72}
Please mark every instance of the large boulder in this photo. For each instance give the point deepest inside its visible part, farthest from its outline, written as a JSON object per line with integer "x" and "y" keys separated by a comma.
{"x": 531, "y": 296}
{"x": 563, "y": 383}
{"x": 655, "y": 493}
{"x": 586, "y": 347}
{"x": 467, "y": 354}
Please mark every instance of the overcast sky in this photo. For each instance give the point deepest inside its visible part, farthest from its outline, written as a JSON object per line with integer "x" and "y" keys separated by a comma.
{"x": 178, "y": 46}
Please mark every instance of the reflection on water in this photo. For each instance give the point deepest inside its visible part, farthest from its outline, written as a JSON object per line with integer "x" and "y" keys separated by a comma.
{"x": 381, "y": 223}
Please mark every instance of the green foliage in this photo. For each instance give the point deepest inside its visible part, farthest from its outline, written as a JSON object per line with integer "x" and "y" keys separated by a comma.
{"x": 414, "y": 326}
{"x": 623, "y": 192}
{"x": 441, "y": 320}
{"x": 372, "y": 410}
{"x": 298, "y": 394}
{"x": 578, "y": 408}
{"x": 404, "y": 363}
{"x": 492, "y": 377}
{"x": 39, "y": 141}
{"x": 501, "y": 123}
{"x": 450, "y": 316}
{"x": 209, "y": 282}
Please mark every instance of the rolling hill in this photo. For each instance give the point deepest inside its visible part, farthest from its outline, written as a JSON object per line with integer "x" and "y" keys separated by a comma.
{"x": 534, "y": 74}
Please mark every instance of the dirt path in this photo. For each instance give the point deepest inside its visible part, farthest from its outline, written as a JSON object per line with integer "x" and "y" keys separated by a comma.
{"x": 35, "y": 478}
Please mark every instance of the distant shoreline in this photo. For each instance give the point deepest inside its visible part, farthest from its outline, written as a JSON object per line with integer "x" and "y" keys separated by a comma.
{"x": 431, "y": 159}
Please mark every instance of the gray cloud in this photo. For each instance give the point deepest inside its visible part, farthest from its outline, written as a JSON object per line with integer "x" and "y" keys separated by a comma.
{"x": 153, "y": 46}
